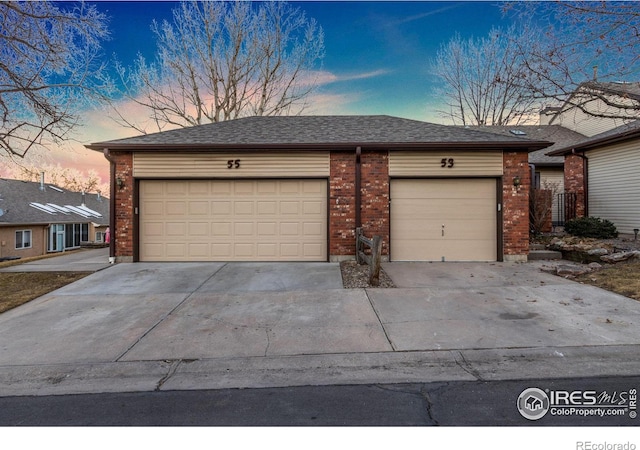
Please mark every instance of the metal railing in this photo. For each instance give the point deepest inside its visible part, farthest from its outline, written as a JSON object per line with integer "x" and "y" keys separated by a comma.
{"x": 566, "y": 205}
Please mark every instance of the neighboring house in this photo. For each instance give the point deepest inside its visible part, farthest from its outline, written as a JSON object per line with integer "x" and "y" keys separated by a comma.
{"x": 296, "y": 188}
{"x": 547, "y": 171}
{"x": 38, "y": 218}
{"x": 603, "y": 171}
{"x": 596, "y": 107}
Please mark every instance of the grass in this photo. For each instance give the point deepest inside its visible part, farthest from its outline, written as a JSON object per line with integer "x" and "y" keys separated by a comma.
{"x": 622, "y": 278}
{"x": 21, "y": 287}
{"x": 18, "y": 288}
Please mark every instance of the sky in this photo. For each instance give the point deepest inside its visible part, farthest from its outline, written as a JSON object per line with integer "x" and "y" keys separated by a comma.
{"x": 378, "y": 53}
{"x": 377, "y": 61}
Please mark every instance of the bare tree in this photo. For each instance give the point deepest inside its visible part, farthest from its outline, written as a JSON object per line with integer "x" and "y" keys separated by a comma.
{"x": 223, "y": 60}
{"x": 583, "y": 45}
{"x": 67, "y": 178}
{"x": 481, "y": 79}
{"x": 48, "y": 70}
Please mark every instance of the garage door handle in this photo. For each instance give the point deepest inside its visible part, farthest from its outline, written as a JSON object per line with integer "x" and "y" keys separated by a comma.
{"x": 442, "y": 229}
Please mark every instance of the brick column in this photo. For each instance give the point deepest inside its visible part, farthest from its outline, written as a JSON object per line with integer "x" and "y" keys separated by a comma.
{"x": 574, "y": 181}
{"x": 375, "y": 195}
{"x": 123, "y": 234}
{"x": 342, "y": 204}
{"x": 515, "y": 206}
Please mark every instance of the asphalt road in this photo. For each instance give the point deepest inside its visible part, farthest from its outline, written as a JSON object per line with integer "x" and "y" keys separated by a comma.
{"x": 425, "y": 404}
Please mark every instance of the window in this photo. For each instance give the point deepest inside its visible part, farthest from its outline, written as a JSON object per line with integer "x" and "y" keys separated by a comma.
{"x": 84, "y": 232}
{"x": 99, "y": 236}
{"x": 23, "y": 239}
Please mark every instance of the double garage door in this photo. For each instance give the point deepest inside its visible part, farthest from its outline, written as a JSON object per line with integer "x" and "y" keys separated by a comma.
{"x": 286, "y": 220}
{"x": 233, "y": 220}
{"x": 444, "y": 219}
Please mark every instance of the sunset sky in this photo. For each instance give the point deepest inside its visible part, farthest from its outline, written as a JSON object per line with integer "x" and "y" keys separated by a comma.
{"x": 378, "y": 58}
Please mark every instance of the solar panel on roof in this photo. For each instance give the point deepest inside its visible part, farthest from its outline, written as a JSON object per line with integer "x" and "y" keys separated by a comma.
{"x": 78, "y": 211}
{"x": 89, "y": 211}
{"x": 41, "y": 207}
{"x": 62, "y": 209}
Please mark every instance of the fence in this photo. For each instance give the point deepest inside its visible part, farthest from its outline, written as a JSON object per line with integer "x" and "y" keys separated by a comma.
{"x": 373, "y": 259}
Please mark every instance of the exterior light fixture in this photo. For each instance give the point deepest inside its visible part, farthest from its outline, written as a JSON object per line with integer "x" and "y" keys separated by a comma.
{"x": 516, "y": 181}
{"x": 120, "y": 182}
{"x": 635, "y": 232}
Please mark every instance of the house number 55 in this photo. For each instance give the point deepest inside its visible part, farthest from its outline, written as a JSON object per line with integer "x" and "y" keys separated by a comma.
{"x": 233, "y": 164}
{"x": 444, "y": 162}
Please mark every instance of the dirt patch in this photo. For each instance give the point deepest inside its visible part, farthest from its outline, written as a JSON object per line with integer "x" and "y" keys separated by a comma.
{"x": 21, "y": 287}
{"x": 357, "y": 276}
{"x": 622, "y": 278}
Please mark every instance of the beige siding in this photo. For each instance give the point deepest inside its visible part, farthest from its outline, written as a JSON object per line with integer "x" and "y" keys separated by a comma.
{"x": 614, "y": 185}
{"x": 233, "y": 220}
{"x": 231, "y": 165}
{"x": 588, "y": 124}
{"x": 443, "y": 219}
{"x": 456, "y": 164}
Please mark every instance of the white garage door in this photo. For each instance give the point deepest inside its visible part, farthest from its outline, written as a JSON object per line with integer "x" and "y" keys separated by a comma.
{"x": 233, "y": 220}
{"x": 443, "y": 220}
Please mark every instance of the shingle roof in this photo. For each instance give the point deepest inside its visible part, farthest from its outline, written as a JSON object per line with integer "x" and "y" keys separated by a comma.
{"x": 560, "y": 136}
{"x": 627, "y": 131}
{"x": 315, "y": 131}
{"x": 20, "y": 203}
{"x": 623, "y": 89}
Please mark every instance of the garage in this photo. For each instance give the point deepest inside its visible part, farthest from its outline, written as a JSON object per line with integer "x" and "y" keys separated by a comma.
{"x": 233, "y": 220}
{"x": 296, "y": 188}
{"x": 444, "y": 219}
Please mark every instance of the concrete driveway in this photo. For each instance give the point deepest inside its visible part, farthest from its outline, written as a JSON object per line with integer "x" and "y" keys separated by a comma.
{"x": 85, "y": 260}
{"x": 237, "y": 322}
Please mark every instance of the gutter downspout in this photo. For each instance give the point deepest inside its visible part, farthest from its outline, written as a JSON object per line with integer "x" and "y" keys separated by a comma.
{"x": 112, "y": 204}
{"x": 532, "y": 169}
{"x": 585, "y": 179}
{"x": 358, "y": 187}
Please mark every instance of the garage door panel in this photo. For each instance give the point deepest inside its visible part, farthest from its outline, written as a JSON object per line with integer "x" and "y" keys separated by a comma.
{"x": 473, "y": 251}
{"x": 424, "y": 210}
{"x": 229, "y": 220}
{"x": 443, "y": 219}
{"x": 267, "y": 229}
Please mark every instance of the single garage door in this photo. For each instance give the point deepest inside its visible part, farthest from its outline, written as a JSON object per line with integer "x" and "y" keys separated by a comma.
{"x": 443, "y": 220}
{"x": 233, "y": 220}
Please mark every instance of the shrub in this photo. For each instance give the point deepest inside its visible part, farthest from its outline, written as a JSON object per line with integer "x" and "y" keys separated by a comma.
{"x": 591, "y": 227}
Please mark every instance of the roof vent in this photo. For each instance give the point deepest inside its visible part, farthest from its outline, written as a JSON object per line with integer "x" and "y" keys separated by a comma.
{"x": 518, "y": 132}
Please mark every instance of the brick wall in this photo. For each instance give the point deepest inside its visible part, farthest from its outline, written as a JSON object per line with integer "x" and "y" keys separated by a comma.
{"x": 375, "y": 214}
{"x": 342, "y": 204}
{"x": 574, "y": 181}
{"x": 375, "y": 196}
{"x": 515, "y": 206}
{"x": 124, "y": 207}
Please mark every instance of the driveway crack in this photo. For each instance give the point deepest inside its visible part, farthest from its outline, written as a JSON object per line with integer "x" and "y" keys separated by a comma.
{"x": 465, "y": 365}
{"x": 375, "y": 311}
{"x": 172, "y": 370}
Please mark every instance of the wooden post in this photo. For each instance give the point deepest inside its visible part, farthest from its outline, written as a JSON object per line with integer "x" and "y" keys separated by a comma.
{"x": 376, "y": 256}
{"x": 358, "y": 245}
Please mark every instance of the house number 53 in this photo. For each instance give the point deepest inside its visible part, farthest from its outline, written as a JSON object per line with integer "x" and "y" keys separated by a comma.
{"x": 446, "y": 162}
{"x": 233, "y": 164}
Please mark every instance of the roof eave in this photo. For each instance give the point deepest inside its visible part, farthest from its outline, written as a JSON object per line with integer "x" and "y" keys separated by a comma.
{"x": 525, "y": 146}
{"x": 590, "y": 145}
